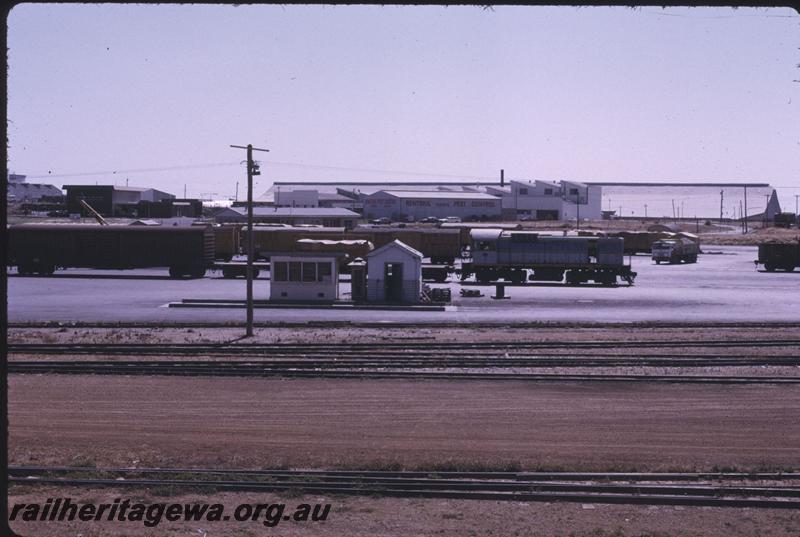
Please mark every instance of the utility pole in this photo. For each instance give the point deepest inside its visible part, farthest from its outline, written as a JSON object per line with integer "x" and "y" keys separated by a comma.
{"x": 236, "y": 196}
{"x": 745, "y": 209}
{"x": 740, "y": 215}
{"x": 252, "y": 169}
{"x": 673, "y": 208}
{"x": 184, "y": 190}
{"x": 721, "y": 194}
{"x": 796, "y": 197}
{"x": 645, "y": 211}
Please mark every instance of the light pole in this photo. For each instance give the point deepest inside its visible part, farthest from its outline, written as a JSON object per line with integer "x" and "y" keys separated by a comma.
{"x": 252, "y": 169}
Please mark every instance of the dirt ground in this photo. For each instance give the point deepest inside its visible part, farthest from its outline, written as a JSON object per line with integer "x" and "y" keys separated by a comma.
{"x": 380, "y": 517}
{"x": 253, "y": 423}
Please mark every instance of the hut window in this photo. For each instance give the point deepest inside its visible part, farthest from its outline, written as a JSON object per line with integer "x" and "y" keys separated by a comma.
{"x": 281, "y": 271}
{"x": 323, "y": 271}
{"x": 309, "y": 272}
{"x": 294, "y": 271}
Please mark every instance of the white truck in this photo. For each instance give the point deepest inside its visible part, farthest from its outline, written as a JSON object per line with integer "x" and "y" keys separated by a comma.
{"x": 677, "y": 250}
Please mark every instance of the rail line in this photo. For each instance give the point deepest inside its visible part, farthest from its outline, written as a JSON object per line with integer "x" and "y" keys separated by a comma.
{"x": 617, "y": 488}
{"x": 444, "y": 361}
{"x": 252, "y": 370}
{"x": 375, "y": 347}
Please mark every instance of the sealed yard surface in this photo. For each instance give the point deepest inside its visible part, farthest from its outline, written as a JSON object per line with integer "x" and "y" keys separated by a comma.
{"x": 236, "y": 422}
{"x": 722, "y": 286}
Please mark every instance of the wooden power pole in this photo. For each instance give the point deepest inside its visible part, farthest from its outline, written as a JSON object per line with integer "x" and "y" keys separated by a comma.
{"x": 252, "y": 169}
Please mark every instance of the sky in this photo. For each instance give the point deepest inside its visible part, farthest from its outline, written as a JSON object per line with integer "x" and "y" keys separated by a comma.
{"x": 154, "y": 95}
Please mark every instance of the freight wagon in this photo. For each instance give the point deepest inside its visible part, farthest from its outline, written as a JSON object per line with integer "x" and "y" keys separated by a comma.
{"x": 270, "y": 238}
{"x": 776, "y": 255}
{"x": 437, "y": 244}
{"x": 226, "y": 240}
{"x": 227, "y": 243}
{"x": 351, "y": 248}
{"x": 43, "y": 248}
{"x": 517, "y": 256}
{"x": 440, "y": 245}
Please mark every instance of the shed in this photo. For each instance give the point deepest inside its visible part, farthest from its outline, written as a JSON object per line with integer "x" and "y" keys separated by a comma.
{"x": 394, "y": 274}
{"x": 304, "y": 276}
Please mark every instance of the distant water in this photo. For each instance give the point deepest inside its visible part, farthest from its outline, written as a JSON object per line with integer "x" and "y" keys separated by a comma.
{"x": 691, "y": 201}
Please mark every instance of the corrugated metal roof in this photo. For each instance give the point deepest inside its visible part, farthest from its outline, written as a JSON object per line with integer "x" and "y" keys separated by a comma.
{"x": 302, "y": 211}
{"x": 421, "y": 194}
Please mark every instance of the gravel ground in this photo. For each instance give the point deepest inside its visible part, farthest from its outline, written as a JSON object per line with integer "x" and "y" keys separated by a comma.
{"x": 379, "y": 517}
{"x": 358, "y": 334}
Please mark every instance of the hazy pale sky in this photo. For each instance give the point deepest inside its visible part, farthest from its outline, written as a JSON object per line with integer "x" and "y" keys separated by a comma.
{"x": 157, "y": 93}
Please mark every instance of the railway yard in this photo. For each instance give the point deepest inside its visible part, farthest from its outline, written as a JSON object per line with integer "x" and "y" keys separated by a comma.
{"x": 411, "y": 427}
{"x": 664, "y": 408}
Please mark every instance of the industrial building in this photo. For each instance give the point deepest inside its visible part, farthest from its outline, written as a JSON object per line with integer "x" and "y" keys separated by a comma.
{"x": 20, "y": 191}
{"x": 475, "y": 201}
{"x": 569, "y": 200}
{"x": 111, "y": 200}
{"x": 170, "y": 208}
{"x": 549, "y": 200}
{"x": 410, "y": 206}
{"x": 318, "y": 216}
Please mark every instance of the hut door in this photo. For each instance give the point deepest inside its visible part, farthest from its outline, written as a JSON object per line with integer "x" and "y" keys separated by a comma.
{"x": 393, "y": 277}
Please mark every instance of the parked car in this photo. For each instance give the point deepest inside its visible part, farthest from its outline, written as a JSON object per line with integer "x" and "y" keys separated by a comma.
{"x": 382, "y": 220}
{"x": 429, "y": 220}
{"x": 451, "y": 220}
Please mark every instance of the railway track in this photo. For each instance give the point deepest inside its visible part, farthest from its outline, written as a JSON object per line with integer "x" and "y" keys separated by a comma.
{"x": 415, "y": 359}
{"x": 405, "y": 346}
{"x": 446, "y": 361}
{"x": 254, "y": 370}
{"x": 782, "y": 490}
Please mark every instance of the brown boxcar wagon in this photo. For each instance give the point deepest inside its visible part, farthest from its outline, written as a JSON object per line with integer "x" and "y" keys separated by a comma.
{"x": 42, "y": 248}
{"x": 284, "y": 238}
{"x": 226, "y": 241}
{"x": 779, "y": 255}
{"x": 439, "y": 245}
